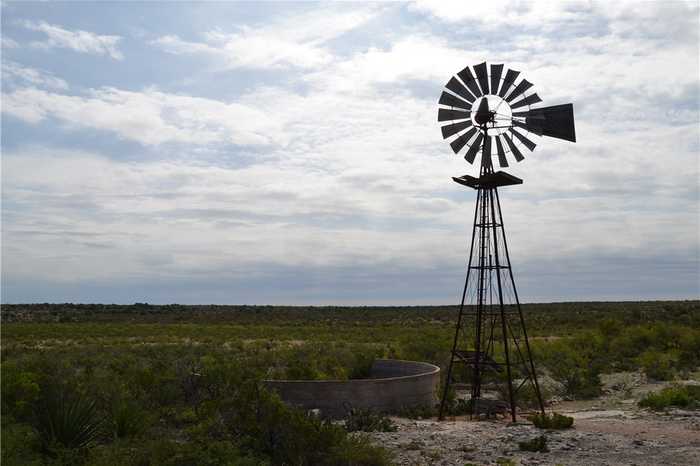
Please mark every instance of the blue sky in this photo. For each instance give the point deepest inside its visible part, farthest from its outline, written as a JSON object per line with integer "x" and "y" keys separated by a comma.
{"x": 289, "y": 152}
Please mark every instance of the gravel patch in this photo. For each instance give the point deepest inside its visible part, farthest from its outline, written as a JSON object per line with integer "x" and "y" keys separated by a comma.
{"x": 599, "y": 437}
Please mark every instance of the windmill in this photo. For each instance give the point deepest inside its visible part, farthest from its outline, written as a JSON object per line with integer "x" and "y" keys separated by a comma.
{"x": 489, "y": 112}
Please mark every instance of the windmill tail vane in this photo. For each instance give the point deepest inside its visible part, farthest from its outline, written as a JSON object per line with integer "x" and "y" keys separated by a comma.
{"x": 483, "y": 110}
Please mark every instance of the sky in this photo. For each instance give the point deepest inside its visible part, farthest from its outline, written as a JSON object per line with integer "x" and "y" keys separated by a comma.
{"x": 289, "y": 153}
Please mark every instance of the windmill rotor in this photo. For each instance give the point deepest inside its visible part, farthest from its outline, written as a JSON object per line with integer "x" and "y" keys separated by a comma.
{"x": 490, "y": 109}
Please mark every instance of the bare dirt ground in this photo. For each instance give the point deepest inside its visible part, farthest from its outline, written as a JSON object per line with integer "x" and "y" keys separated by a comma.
{"x": 598, "y": 438}
{"x": 608, "y": 431}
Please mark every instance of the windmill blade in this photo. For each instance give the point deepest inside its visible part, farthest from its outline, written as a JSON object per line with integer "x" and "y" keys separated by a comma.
{"x": 526, "y": 142}
{"x": 468, "y": 134}
{"x": 474, "y": 148}
{"x": 556, "y": 121}
{"x": 508, "y": 81}
{"x": 502, "y": 161}
{"x": 448, "y": 99}
{"x": 516, "y": 153}
{"x": 458, "y": 88}
{"x": 445, "y": 114}
{"x": 529, "y": 100}
{"x": 522, "y": 86}
{"x": 461, "y": 141}
{"x": 496, "y": 71}
{"x": 454, "y": 128}
{"x": 468, "y": 78}
{"x": 482, "y": 75}
{"x": 532, "y": 127}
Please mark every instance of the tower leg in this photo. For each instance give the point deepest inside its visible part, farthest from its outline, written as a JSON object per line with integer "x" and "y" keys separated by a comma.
{"x": 533, "y": 372}
{"x": 494, "y": 225}
{"x": 448, "y": 377}
{"x": 481, "y": 298}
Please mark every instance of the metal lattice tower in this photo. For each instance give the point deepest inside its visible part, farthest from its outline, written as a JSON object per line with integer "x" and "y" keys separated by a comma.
{"x": 490, "y": 349}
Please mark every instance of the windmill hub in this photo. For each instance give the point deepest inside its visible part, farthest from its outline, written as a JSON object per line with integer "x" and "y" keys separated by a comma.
{"x": 483, "y": 113}
{"x": 496, "y": 117}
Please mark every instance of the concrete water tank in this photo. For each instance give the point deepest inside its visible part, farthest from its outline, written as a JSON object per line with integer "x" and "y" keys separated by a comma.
{"x": 393, "y": 385}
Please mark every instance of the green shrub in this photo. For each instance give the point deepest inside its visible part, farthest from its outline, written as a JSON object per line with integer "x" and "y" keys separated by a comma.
{"x": 191, "y": 367}
{"x": 20, "y": 444}
{"x": 66, "y": 419}
{"x": 659, "y": 348}
{"x": 551, "y": 421}
{"x": 689, "y": 349}
{"x": 367, "y": 420}
{"x": 526, "y": 397}
{"x": 338, "y": 361}
{"x": 303, "y": 368}
{"x": 538, "y": 444}
{"x": 362, "y": 365}
{"x": 261, "y": 423}
{"x": 681, "y": 396}
{"x": 610, "y": 328}
{"x": 163, "y": 452}
{"x": 418, "y": 412}
{"x": 127, "y": 419}
{"x": 505, "y": 462}
{"x": 358, "y": 450}
{"x": 573, "y": 368}
{"x": 658, "y": 365}
{"x": 456, "y": 406}
{"x": 20, "y": 390}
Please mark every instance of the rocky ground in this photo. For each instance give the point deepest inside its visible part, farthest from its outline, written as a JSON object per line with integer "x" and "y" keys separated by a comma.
{"x": 608, "y": 431}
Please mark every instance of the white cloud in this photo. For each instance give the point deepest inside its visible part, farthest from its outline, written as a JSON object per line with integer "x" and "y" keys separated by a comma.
{"x": 80, "y": 41}
{"x": 352, "y": 172}
{"x": 641, "y": 19}
{"x": 180, "y": 219}
{"x": 15, "y": 72}
{"x": 427, "y": 58}
{"x": 248, "y": 50}
{"x": 150, "y": 117}
{"x": 203, "y": 218}
{"x": 8, "y": 43}
{"x": 293, "y": 41}
{"x": 581, "y": 68}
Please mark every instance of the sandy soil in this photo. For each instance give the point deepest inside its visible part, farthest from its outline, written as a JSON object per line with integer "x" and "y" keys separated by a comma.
{"x": 598, "y": 438}
{"x": 609, "y": 431}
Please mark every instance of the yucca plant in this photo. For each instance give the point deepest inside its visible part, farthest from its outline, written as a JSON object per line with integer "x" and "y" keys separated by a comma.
{"x": 66, "y": 419}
